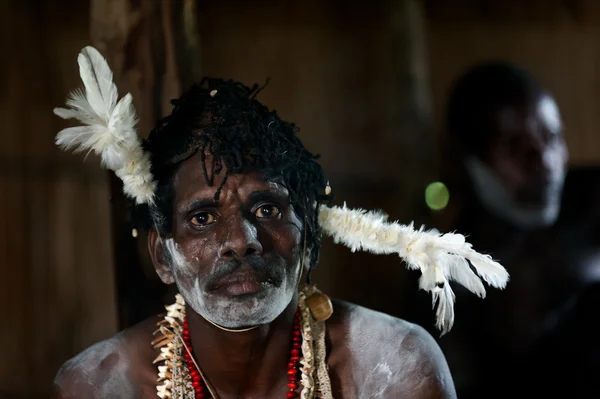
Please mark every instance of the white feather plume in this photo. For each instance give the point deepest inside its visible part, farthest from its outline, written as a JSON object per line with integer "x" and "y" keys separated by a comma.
{"x": 440, "y": 257}
{"x": 109, "y": 127}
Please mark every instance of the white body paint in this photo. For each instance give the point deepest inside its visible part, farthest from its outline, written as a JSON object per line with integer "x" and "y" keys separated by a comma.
{"x": 383, "y": 374}
{"x": 103, "y": 355}
{"x": 261, "y": 309}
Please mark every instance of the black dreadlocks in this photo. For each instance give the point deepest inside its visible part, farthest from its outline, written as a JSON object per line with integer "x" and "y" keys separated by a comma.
{"x": 223, "y": 118}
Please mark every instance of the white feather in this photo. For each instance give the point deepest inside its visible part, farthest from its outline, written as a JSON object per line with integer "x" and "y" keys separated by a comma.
{"x": 443, "y": 298}
{"x": 109, "y": 128}
{"x": 97, "y": 78}
{"x": 492, "y": 272}
{"x": 440, "y": 257}
{"x": 460, "y": 271}
{"x": 81, "y": 138}
{"x": 123, "y": 120}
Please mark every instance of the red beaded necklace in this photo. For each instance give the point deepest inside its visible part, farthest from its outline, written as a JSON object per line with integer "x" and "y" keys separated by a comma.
{"x": 293, "y": 365}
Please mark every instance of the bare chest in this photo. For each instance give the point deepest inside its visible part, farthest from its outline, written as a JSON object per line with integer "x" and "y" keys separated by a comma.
{"x": 349, "y": 379}
{"x": 142, "y": 384}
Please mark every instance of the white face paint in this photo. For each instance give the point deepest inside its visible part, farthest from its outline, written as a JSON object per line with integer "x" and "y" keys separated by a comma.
{"x": 497, "y": 200}
{"x": 227, "y": 311}
{"x": 548, "y": 112}
{"x": 554, "y": 158}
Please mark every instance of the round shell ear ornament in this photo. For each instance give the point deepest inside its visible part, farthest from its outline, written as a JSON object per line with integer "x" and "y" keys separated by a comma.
{"x": 320, "y": 306}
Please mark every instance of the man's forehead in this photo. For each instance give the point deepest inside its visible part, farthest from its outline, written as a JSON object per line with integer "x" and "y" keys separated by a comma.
{"x": 195, "y": 186}
{"x": 211, "y": 167}
{"x": 540, "y": 113}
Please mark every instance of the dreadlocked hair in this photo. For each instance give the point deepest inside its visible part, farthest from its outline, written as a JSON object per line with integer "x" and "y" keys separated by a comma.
{"x": 224, "y": 119}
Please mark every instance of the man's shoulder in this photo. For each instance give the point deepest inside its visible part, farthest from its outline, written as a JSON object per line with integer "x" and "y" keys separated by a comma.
{"x": 383, "y": 332}
{"x": 83, "y": 372}
{"x": 108, "y": 364}
{"x": 390, "y": 352}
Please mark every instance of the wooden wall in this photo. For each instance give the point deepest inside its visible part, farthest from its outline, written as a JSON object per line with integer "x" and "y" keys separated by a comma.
{"x": 56, "y": 290}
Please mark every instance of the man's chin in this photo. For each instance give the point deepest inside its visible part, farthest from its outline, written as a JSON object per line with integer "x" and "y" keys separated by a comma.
{"x": 532, "y": 217}
{"x": 533, "y": 203}
{"x": 245, "y": 310}
{"x": 247, "y": 301}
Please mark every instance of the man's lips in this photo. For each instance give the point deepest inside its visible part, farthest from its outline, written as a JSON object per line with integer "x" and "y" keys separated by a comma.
{"x": 244, "y": 288}
{"x": 242, "y": 283}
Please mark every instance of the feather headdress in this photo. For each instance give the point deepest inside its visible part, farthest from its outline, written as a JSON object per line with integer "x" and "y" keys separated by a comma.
{"x": 439, "y": 257}
{"x": 109, "y": 131}
{"x": 109, "y": 127}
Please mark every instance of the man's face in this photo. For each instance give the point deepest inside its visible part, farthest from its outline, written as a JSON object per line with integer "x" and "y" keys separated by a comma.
{"x": 529, "y": 154}
{"x": 235, "y": 261}
{"x": 521, "y": 177}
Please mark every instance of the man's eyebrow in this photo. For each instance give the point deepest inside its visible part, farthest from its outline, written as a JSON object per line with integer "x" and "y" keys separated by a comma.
{"x": 198, "y": 203}
{"x": 269, "y": 194}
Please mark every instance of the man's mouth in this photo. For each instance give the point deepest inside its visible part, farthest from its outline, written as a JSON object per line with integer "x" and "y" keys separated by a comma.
{"x": 535, "y": 194}
{"x": 242, "y": 283}
{"x": 245, "y": 288}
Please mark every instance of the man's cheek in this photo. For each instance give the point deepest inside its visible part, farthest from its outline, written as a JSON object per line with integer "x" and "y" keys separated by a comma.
{"x": 510, "y": 173}
{"x": 186, "y": 279}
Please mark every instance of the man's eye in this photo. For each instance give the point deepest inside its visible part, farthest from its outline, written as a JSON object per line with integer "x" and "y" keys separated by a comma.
{"x": 267, "y": 212}
{"x": 203, "y": 219}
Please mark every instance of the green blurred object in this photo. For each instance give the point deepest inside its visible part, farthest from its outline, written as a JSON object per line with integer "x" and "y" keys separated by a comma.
{"x": 437, "y": 196}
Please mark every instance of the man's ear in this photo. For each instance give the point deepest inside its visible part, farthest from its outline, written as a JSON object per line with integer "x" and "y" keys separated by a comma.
{"x": 159, "y": 257}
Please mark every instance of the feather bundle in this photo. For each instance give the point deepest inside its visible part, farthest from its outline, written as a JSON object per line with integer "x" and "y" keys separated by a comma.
{"x": 440, "y": 257}
{"x": 109, "y": 127}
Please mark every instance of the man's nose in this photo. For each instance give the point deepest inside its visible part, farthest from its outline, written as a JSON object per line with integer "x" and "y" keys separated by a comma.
{"x": 241, "y": 239}
{"x": 534, "y": 159}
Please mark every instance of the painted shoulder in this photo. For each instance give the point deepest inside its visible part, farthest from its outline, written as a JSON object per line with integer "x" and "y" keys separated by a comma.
{"x": 114, "y": 368}
{"x": 390, "y": 357}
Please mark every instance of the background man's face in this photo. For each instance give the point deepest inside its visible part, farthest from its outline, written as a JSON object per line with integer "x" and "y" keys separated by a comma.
{"x": 235, "y": 261}
{"x": 520, "y": 179}
{"x": 529, "y": 154}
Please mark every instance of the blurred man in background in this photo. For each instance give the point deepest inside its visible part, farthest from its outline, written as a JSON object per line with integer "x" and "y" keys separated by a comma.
{"x": 505, "y": 163}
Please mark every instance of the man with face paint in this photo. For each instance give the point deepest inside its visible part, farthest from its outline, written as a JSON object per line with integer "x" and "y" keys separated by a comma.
{"x": 505, "y": 164}
{"x": 231, "y": 200}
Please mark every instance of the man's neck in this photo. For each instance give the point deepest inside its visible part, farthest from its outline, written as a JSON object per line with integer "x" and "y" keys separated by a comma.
{"x": 252, "y": 362}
